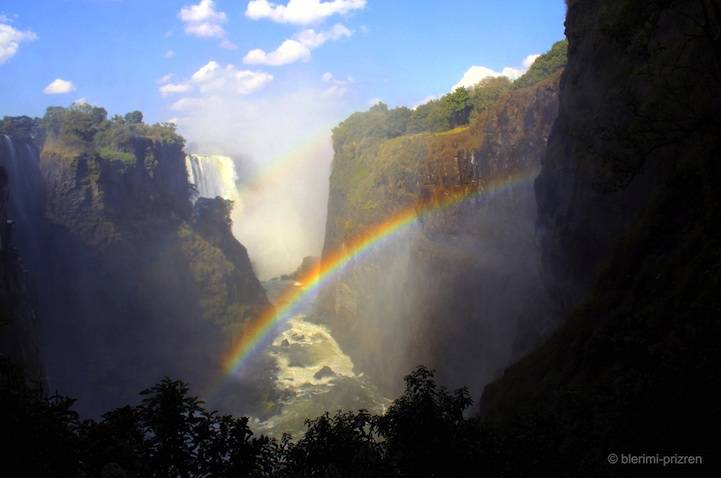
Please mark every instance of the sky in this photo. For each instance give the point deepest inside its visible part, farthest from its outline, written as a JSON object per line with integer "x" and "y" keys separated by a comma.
{"x": 263, "y": 81}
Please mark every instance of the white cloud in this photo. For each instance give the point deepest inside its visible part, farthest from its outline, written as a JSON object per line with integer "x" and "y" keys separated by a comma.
{"x": 204, "y": 21}
{"x": 206, "y": 71}
{"x": 296, "y": 49}
{"x": 337, "y": 87}
{"x": 313, "y": 39}
{"x": 213, "y": 79}
{"x": 301, "y": 12}
{"x": 288, "y": 52}
{"x": 169, "y": 54}
{"x": 426, "y": 100}
{"x": 11, "y": 38}
{"x": 529, "y": 60}
{"x": 188, "y": 104}
{"x": 477, "y": 73}
{"x": 81, "y": 101}
{"x": 174, "y": 88}
{"x": 165, "y": 79}
{"x": 59, "y": 87}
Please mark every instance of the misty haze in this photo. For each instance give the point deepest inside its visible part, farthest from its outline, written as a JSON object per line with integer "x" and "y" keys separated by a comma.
{"x": 360, "y": 238}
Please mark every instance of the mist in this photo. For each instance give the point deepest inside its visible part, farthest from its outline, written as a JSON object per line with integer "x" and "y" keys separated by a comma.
{"x": 283, "y": 152}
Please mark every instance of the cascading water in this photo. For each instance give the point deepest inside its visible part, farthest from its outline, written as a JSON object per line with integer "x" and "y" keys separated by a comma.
{"x": 20, "y": 160}
{"x": 213, "y": 175}
{"x": 311, "y": 371}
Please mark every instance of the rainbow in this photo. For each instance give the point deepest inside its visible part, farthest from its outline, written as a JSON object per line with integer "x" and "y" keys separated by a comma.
{"x": 259, "y": 333}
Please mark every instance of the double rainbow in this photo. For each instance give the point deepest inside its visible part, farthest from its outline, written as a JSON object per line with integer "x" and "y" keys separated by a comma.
{"x": 260, "y": 332}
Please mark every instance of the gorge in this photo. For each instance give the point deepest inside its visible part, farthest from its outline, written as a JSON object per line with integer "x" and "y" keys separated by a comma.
{"x": 520, "y": 277}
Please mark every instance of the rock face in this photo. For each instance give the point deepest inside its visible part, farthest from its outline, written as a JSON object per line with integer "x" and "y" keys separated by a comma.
{"x": 134, "y": 282}
{"x": 457, "y": 286}
{"x": 18, "y": 323}
{"x": 629, "y": 215}
{"x": 308, "y": 266}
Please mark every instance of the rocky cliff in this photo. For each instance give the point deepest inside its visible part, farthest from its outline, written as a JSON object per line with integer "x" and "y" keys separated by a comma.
{"x": 18, "y": 323}
{"x": 456, "y": 286}
{"x": 134, "y": 281}
{"x": 629, "y": 215}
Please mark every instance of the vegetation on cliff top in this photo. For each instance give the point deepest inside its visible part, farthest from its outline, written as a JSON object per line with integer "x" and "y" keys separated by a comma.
{"x": 450, "y": 111}
{"x": 84, "y": 127}
{"x": 545, "y": 65}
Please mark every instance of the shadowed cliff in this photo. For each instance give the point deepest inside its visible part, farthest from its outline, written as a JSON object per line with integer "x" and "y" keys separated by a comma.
{"x": 134, "y": 281}
{"x": 629, "y": 215}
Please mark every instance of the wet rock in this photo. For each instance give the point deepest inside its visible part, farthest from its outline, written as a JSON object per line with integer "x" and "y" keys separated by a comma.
{"x": 324, "y": 372}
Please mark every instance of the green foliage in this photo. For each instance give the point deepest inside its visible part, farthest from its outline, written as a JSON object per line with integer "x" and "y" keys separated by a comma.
{"x": 545, "y": 65}
{"x": 88, "y": 127}
{"x": 443, "y": 446}
{"x": 80, "y": 122}
{"x": 459, "y": 106}
{"x": 170, "y": 434}
{"x": 377, "y": 123}
{"x": 212, "y": 272}
{"x": 134, "y": 117}
{"x": 22, "y": 127}
{"x": 450, "y": 111}
{"x": 345, "y": 444}
{"x": 210, "y": 212}
{"x": 431, "y": 116}
{"x": 484, "y": 94}
{"x": 110, "y": 154}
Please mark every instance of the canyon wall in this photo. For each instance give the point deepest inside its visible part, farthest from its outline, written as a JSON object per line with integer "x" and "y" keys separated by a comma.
{"x": 459, "y": 289}
{"x": 133, "y": 280}
{"x": 629, "y": 217}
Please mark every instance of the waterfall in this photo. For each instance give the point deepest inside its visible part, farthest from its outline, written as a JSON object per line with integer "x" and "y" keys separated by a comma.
{"x": 26, "y": 193}
{"x": 23, "y": 177}
{"x": 10, "y": 147}
{"x": 213, "y": 175}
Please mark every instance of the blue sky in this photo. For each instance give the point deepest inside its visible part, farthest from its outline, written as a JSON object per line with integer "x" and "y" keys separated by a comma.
{"x": 114, "y": 51}
{"x": 263, "y": 82}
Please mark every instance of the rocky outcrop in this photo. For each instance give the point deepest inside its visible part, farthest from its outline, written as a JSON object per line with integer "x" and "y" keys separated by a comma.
{"x": 134, "y": 282}
{"x": 146, "y": 284}
{"x": 457, "y": 286}
{"x": 629, "y": 214}
{"x": 308, "y": 266}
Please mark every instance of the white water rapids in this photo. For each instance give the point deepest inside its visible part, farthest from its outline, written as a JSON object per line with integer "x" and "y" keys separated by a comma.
{"x": 312, "y": 373}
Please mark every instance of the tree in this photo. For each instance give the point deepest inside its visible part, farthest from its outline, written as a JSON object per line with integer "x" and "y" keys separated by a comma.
{"x": 545, "y": 65}
{"x": 458, "y": 105}
{"x": 424, "y": 430}
{"x": 345, "y": 444}
{"x": 134, "y": 117}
